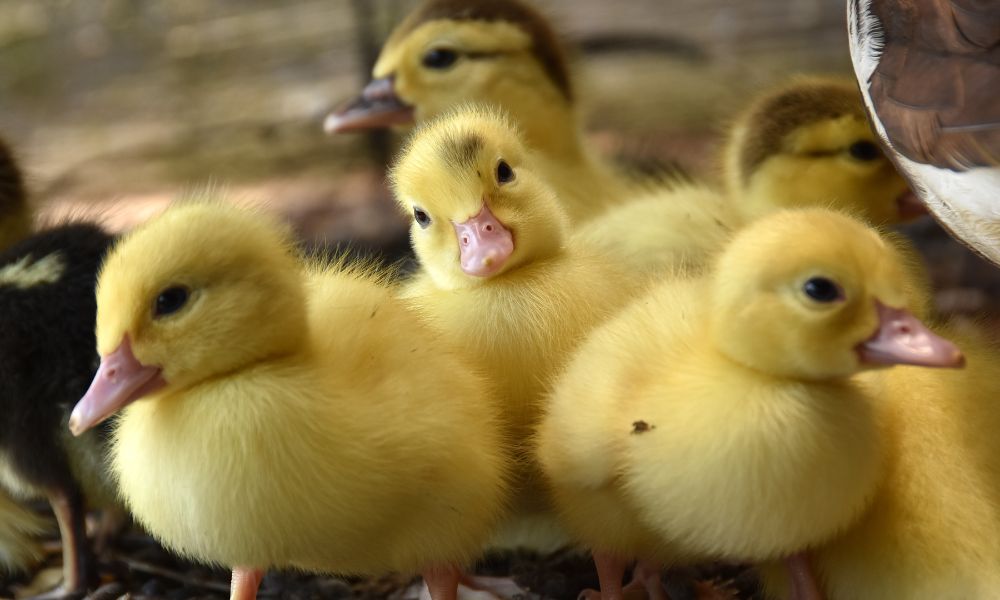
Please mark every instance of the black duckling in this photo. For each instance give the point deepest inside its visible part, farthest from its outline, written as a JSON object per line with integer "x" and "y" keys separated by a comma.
{"x": 47, "y": 358}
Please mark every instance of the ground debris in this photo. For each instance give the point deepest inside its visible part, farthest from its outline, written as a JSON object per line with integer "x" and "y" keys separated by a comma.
{"x": 137, "y": 568}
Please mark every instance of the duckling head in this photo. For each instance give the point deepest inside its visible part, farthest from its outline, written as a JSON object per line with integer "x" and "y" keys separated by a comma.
{"x": 450, "y": 51}
{"x": 201, "y": 291}
{"x": 814, "y": 294}
{"x": 478, "y": 208}
{"x": 810, "y": 144}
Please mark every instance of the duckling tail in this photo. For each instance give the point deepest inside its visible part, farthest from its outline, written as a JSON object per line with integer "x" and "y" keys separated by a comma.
{"x": 18, "y": 528}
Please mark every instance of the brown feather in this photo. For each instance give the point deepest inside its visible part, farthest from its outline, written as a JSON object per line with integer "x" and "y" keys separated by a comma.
{"x": 936, "y": 85}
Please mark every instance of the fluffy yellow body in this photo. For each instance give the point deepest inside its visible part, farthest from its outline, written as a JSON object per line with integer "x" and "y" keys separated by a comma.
{"x": 933, "y": 530}
{"x": 319, "y": 426}
{"x": 722, "y": 415}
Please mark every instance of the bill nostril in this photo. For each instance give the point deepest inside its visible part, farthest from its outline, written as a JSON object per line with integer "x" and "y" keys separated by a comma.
{"x": 465, "y": 240}
{"x": 489, "y": 227}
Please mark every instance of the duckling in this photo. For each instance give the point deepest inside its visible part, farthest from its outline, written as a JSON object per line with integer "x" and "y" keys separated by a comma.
{"x": 805, "y": 144}
{"x": 498, "y": 275}
{"x": 718, "y": 416}
{"x": 929, "y": 74}
{"x": 307, "y": 439}
{"x": 47, "y": 358}
{"x": 933, "y": 530}
{"x": 15, "y": 214}
{"x": 808, "y": 143}
{"x": 501, "y": 52}
{"x": 17, "y": 525}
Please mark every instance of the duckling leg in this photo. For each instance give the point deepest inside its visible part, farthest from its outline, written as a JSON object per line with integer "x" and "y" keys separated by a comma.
{"x": 805, "y": 586}
{"x": 111, "y": 523}
{"x": 244, "y": 583}
{"x": 78, "y": 563}
{"x": 610, "y": 571}
{"x": 442, "y": 582}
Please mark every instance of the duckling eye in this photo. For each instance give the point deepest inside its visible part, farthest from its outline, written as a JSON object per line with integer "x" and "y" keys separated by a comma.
{"x": 422, "y": 218}
{"x": 170, "y": 301}
{"x": 504, "y": 173}
{"x": 822, "y": 289}
{"x": 864, "y": 150}
{"x": 439, "y": 58}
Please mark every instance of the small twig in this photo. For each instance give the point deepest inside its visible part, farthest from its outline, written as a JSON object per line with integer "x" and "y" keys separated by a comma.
{"x": 144, "y": 567}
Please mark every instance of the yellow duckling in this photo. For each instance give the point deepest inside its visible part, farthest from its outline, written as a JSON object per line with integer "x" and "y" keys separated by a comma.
{"x": 806, "y": 144}
{"x": 933, "y": 530}
{"x": 717, "y": 417}
{"x": 497, "y": 276}
{"x": 501, "y": 52}
{"x": 809, "y": 144}
{"x": 275, "y": 420}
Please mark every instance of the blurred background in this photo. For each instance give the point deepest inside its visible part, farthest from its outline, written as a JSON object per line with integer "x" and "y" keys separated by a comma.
{"x": 117, "y": 106}
{"x": 133, "y": 101}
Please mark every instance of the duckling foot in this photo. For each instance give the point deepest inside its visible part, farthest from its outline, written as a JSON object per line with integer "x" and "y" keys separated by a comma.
{"x": 647, "y": 576}
{"x": 440, "y": 581}
{"x": 244, "y": 583}
{"x": 805, "y": 586}
{"x": 494, "y": 587}
{"x": 61, "y": 593}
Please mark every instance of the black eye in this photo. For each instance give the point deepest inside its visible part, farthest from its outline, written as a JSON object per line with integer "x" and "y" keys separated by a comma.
{"x": 439, "y": 58}
{"x": 864, "y": 150}
{"x": 504, "y": 173}
{"x": 822, "y": 289}
{"x": 422, "y": 218}
{"x": 170, "y": 300}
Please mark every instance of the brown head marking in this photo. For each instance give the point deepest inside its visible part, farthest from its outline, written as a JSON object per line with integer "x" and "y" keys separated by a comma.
{"x": 545, "y": 43}
{"x": 773, "y": 117}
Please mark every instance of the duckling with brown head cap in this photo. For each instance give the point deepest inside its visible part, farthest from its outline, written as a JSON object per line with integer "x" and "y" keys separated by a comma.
{"x": 804, "y": 144}
{"x": 499, "y": 52}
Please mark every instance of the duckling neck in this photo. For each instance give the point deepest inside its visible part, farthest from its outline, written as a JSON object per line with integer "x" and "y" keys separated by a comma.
{"x": 554, "y": 131}
{"x": 583, "y": 182}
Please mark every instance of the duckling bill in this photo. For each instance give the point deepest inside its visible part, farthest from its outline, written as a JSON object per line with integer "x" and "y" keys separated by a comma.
{"x": 120, "y": 380}
{"x": 377, "y": 107}
{"x": 484, "y": 243}
{"x": 902, "y": 339}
